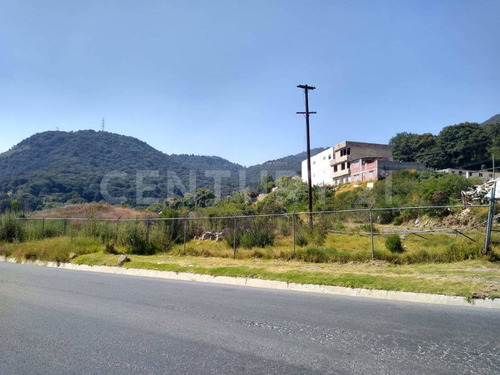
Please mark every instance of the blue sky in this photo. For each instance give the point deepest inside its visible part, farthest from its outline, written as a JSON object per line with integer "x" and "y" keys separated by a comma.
{"x": 219, "y": 77}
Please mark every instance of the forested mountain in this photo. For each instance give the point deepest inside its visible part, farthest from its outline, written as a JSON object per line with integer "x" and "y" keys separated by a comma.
{"x": 288, "y": 165}
{"x": 492, "y": 120}
{"x": 57, "y": 167}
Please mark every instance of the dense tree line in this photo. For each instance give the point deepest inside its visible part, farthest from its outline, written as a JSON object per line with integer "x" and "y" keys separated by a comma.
{"x": 466, "y": 145}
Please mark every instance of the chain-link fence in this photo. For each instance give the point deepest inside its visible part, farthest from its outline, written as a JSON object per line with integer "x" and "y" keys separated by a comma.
{"x": 397, "y": 234}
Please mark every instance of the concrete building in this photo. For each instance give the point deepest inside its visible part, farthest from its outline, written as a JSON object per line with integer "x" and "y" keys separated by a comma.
{"x": 372, "y": 169}
{"x": 348, "y": 151}
{"x": 321, "y": 171}
{"x": 485, "y": 175}
{"x": 350, "y": 161}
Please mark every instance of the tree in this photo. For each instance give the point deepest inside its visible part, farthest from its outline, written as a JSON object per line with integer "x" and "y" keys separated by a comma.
{"x": 403, "y": 146}
{"x": 204, "y": 198}
{"x": 266, "y": 184}
{"x": 464, "y": 144}
{"x": 15, "y": 206}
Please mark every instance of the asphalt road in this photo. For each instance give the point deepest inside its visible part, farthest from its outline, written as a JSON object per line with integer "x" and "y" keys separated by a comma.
{"x": 60, "y": 322}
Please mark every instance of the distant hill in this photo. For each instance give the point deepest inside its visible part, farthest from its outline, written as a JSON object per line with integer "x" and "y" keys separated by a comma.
{"x": 68, "y": 167}
{"x": 53, "y": 168}
{"x": 288, "y": 166}
{"x": 493, "y": 120}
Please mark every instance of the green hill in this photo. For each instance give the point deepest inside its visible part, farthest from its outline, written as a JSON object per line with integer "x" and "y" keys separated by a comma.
{"x": 68, "y": 167}
{"x": 492, "y": 120}
{"x": 286, "y": 166}
{"x": 53, "y": 168}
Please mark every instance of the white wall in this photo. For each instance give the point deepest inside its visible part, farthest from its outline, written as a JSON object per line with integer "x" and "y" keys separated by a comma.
{"x": 321, "y": 170}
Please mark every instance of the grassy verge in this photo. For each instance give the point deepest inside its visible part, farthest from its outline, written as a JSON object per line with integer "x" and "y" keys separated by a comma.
{"x": 469, "y": 278}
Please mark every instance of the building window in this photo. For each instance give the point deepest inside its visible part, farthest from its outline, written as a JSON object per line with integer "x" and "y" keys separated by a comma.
{"x": 314, "y": 162}
{"x": 480, "y": 174}
{"x": 329, "y": 157}
{"x": 345, "y": 151}
{"x": 342, "y": 166}
{"x": 348, "y": 164}
{"x": 334, "y": 168}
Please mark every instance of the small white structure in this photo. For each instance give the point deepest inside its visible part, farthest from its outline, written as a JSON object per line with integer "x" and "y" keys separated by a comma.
{"x": 485, "y": 175}
{"x": 321, "y": 170}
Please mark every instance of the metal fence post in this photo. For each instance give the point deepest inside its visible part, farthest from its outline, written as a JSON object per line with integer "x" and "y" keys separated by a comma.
{"x": 293, "y": 232}
{"x": 234, "y": 238}
{"x": 185, "y": 232}
{"x": 490, "y": 220}
{"x": 371, "y": 232}
{"x": 147, "y": 231}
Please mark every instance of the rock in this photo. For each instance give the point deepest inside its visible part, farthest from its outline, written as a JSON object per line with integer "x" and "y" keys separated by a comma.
{"x": 219, "y": 236}
{"x": 206, "y": 236}
{"x": 478, "y": 193}
{"x": 122, "y": 259}
{"x": 417, "y": 221}
{"x": 73, "y": 255}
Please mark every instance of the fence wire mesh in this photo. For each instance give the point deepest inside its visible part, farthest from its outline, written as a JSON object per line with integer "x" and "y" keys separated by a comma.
{"x": 395, "y": 233}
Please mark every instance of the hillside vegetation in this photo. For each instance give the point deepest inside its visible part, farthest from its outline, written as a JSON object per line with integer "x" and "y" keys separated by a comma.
{"x": 54, "y": 168}
{"x": 466, "y": 145}
{"x": 57, "y": 168}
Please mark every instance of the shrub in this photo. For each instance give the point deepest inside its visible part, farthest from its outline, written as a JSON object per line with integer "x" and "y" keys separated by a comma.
{"x": 230, "y": 240}
{"x": 393, "y": 244}
{"x": 133, "y": 235}
{"x": 398, "y": 220}
{"x": 11, "y": 229}
{"x": 301, "y": 240}
{"x": 319, "y": 233}
{"x": 257, "y": 238}
{"x": 166, "y": 233}
{"x": 110, "y": 248}
{"x": 386, "y": 216}
{"x": 313, "y": 254}
{"x": 285, "y": 228}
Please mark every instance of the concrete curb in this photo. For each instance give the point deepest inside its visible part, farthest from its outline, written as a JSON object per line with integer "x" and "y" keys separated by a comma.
{"x": 436, "y": 299}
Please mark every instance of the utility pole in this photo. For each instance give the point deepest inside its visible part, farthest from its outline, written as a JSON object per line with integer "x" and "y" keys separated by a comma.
{"x": 493, "y": 158}
{"x": 306, "y": 89}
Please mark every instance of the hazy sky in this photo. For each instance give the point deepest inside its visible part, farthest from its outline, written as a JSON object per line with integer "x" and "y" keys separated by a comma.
{"x": 219, "y": 77}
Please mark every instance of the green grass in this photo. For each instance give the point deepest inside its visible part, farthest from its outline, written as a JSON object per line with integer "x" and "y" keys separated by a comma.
{"x": 51, "y": 249}
{"x": 475, "y": 276}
